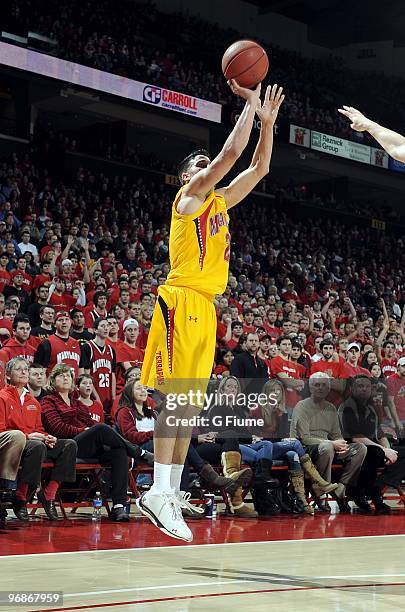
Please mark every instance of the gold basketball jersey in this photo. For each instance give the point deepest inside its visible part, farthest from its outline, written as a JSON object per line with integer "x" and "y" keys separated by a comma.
{"x": 199, "y": 247}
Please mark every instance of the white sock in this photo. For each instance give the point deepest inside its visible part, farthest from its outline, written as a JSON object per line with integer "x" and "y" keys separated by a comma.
{"x": 175, "y": 476}
{"x": 161, "y": 478}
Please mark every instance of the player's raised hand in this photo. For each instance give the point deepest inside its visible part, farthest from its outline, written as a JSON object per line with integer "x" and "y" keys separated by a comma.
{"x": 252, "y": 95}
{"x": 359, "y": 122}
{"x": 273, "y": 99}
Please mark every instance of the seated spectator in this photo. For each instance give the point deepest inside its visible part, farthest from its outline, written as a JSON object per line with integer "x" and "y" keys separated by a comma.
{"x": 315, "y": 423}
{"x": 222, "y": 367}
{"x": 132, "y": 375}
{"x": 136, "y": 422}
{"x": 396, "y": 392}
{"x": 64, "y": 415}
{"x": 12, "y": 444}
{"x": 85, "y": 388}
{"x": 360, "y": 424}
{"x": 37, "y": 381}
{"x": 39, "y": 445}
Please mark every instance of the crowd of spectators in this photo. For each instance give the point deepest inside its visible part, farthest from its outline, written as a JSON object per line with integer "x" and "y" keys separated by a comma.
{"x": 80, "y": 264}
{"x": 187, "y": 59}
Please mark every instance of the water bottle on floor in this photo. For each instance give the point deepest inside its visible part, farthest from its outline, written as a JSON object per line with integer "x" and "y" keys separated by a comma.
{"x": 97, "y": 506}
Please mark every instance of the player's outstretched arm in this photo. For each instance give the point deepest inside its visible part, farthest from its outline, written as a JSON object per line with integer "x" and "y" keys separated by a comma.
{"x": 205, "y": 180}
{"x": 243, "y": 184}
{"x": 391, "y": 141}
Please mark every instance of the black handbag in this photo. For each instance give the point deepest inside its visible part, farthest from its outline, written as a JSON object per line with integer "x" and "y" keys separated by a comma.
{"x": 265, "y": 500}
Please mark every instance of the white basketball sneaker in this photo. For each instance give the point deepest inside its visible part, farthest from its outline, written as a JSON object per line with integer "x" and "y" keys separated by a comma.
{"x": 163, "y": 509}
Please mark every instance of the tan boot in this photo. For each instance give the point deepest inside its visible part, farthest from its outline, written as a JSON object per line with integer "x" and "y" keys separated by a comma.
{"x": 238, "y": 506}
{"x": 231, "y": 461}
{"x": 320, "y": 486}
{"x": 297, "y": 481}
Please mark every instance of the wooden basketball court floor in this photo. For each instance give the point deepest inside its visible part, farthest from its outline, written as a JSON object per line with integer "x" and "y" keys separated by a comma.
{"x": 336, "y": 563}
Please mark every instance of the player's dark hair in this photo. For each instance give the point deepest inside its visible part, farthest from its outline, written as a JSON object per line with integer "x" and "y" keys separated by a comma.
{"x": 326, "y": 343}
{"x": 184, "y": 164}
{"x": 387, "y": 342}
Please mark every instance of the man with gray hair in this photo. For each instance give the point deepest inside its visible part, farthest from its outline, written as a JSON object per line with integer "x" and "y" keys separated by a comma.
{"x": 315, "y": 422}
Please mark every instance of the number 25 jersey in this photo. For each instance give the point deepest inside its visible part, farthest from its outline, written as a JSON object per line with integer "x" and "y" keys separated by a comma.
{"x": 199, "y": 247}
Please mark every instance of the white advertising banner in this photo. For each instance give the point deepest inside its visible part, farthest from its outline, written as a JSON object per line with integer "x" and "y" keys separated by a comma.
{"x": 340, "y": 147}
{"x": 55, "y": 68}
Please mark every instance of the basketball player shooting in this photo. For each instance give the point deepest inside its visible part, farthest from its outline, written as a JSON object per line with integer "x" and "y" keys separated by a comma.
{"x": 392, "y": 142}
{"x": 181, "y": 342}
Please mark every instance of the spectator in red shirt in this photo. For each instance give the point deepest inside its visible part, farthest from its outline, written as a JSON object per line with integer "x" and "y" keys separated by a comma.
{"x": 287, "y": 372}
{"x": 309, "y": 296}
{"x": 224, "y": 329}
{"x": 127, "y": 352}
{"x": 248, "y": 318}
{"x": 237, "y": 331}
{"x": 351, "y": 367}
{"x": 389, "y": 358}
{"x": 97, "y": 310}
{"x": 270, "y": 324}
{"x": 20, "y": 411}
{"x": 43, "y": 277}
{"x": 396, "y": 393}
{"x": 222, "y": 367}
{"x": 85, "y": 388}
{"x": 331, "y": 365}
{"x": 18, "y": 345}
{"x": 59, "y": 298}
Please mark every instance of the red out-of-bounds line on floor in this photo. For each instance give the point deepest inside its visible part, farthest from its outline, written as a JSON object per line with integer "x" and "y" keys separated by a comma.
{"x": 203, "y": 595}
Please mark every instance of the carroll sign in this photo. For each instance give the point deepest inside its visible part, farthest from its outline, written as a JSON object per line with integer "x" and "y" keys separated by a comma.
{"x": 55, "y": 68}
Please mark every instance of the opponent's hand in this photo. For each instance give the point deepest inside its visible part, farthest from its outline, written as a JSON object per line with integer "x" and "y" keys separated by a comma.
{"x": 359, "y": 122}
{"x": 251, "y": 95}
{"x": 268, "y": 110}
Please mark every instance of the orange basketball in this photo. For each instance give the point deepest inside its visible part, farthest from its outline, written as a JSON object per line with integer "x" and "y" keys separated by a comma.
{"x": 246, "y": 62}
